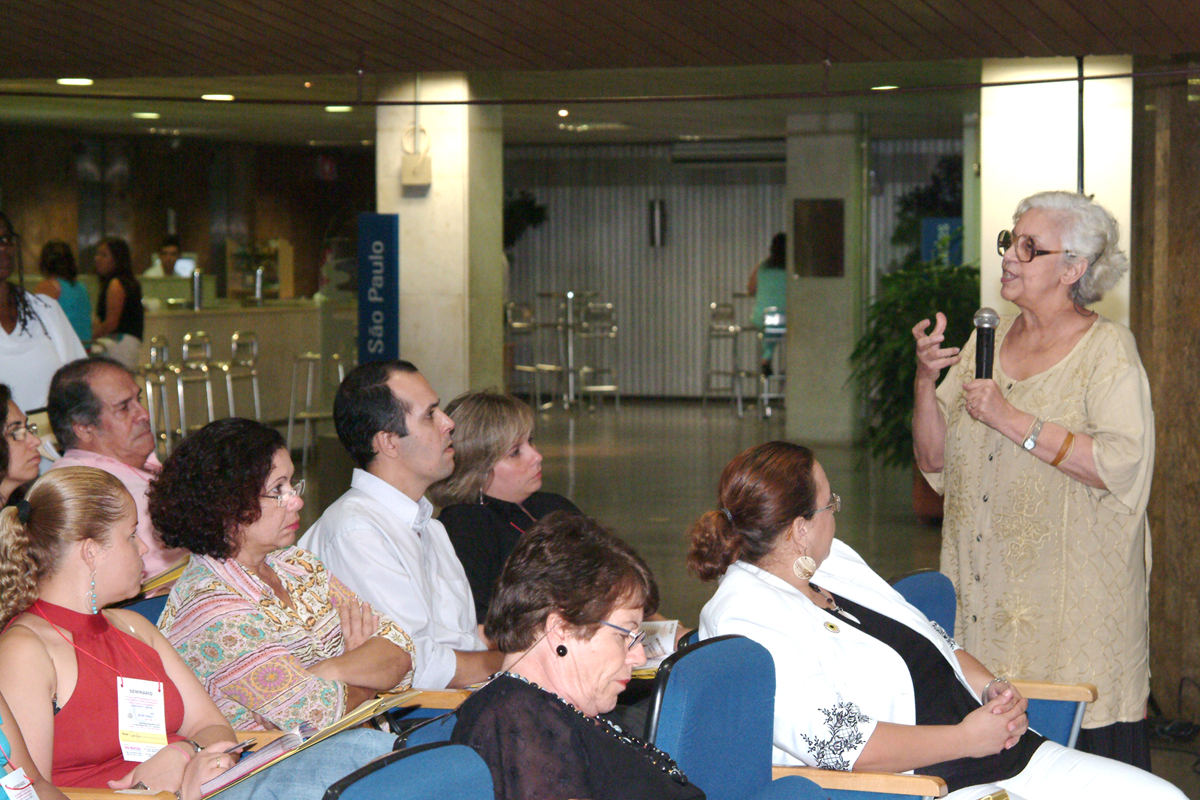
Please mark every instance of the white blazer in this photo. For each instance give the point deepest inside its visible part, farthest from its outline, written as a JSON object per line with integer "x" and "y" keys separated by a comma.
{"x": 832, "y": 682}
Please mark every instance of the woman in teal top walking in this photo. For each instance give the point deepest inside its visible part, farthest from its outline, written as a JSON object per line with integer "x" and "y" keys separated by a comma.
{"x": 57, "y": 264}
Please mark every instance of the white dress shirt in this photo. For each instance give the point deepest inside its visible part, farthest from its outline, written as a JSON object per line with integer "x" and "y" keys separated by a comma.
{"x": 390, "y": 551}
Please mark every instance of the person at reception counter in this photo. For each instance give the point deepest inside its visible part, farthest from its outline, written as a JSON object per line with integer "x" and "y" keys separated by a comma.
{"x": 35, "y": 336}
{"x": 120, "y": 319}
{"x": 380, "y": 536}
{"x": 96, "y": 412}
{"x": 60, "y": 274}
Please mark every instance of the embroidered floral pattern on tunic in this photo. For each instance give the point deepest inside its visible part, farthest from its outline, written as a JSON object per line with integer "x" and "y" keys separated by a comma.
{"x": 942, "y": 632}
{"x": 842, "y": 720}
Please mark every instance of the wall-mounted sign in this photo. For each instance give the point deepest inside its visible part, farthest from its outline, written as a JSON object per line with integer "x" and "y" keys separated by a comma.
{"x": 378, "y": 287}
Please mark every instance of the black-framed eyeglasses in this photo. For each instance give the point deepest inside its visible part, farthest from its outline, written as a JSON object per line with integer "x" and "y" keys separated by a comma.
{"x": 19, "y": 431}
{"x": 635, "y": 637}
{"x": 834, "y": 506}
{"x": 1025, "y": 251}
{"x": 283, "y": 497}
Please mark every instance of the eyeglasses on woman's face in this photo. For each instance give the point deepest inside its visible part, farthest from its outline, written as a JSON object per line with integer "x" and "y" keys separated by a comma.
{"x": 635, "y": 637}
{"x": 834, "y": 506}
{"x": 19, "y": 430}
{"x": 1023, "y": 247}
{"x": 286, "y": 495}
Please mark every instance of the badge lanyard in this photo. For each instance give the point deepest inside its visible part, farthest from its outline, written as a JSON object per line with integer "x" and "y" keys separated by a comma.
{"x": 141, "y": 708}
{"x": 15, "y": 784}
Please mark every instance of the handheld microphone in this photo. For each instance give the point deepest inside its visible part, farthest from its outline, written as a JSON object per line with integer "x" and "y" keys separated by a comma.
{"x": 986, "y": 321}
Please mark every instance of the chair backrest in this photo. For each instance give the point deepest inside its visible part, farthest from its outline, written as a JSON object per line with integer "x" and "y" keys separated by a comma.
{"x": 429, "y": 772}
{"x": 774, "y": 321}
{"x": 713, "y": 711}
{"x": 435, "y": 729}
{"x": 931, "y": 592}
{"x": 598, "y": 320}
{"x": 520, "y": 318}
{"x": 149, "y": 607}
{"x": 196, "y": 349}
{"x": 160, "y": 351}
{"x": 243, "y": 347}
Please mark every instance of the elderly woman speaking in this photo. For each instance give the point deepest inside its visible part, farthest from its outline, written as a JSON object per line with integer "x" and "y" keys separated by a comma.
{"x": 566, "y": 614}
{"x": 1046, "y": 472}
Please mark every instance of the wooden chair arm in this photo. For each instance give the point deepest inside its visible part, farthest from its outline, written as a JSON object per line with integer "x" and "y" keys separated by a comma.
{"x": 1043, "y": 690}
{"x": 885, "y": 782}
{"x": 85, "y": 793}
{"x": 438, "y": 698}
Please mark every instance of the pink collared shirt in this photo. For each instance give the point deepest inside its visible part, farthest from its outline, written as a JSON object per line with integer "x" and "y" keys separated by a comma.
{"x": 158, "y": 559}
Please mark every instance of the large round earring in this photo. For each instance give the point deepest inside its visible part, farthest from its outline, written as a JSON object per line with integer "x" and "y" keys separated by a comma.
{"x": 561, "y": 650}
{"x": 805, "y": 567}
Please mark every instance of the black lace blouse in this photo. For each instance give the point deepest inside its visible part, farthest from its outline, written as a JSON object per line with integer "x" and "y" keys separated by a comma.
{"x": 540, "y": 748}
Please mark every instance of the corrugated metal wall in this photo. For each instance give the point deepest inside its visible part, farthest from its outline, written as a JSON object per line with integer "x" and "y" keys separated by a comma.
{"x": 720, "y": 220}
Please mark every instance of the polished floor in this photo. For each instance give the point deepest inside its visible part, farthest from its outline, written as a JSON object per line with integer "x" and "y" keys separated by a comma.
{"x": 650, "y": 470}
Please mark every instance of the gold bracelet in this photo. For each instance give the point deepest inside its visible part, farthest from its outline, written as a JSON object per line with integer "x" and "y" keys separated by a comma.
{"x": 1063, "y": 452}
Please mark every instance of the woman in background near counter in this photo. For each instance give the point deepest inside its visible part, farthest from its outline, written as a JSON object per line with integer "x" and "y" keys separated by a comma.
{"x": 35, "y": 336}
{"x": 120, "y": 319}
{"x": 57, "y": 265}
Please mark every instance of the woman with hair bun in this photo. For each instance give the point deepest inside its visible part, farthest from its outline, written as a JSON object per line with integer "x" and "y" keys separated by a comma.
{"x": 863, "y": 680}
{"x": 1046, "y": 471}
{"x": 74, "y": 672}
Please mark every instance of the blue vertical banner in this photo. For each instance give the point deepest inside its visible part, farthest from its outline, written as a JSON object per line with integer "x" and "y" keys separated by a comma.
{"x": 378, "y": 287}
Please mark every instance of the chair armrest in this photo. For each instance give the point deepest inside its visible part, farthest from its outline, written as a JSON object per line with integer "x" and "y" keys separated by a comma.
{"x": 85, "y": 793}
{"x": 438, "y": 698}
{"x": 885, "y": 782}
{"x": 1043, "y": 690}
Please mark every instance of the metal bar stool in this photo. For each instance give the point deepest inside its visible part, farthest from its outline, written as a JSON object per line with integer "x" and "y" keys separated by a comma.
{"x": 723, "y": 326}
{"x": 313, "y": 365}
{"x": 158, "y": 404}
{"x": 598, "y": 335}
{"x": 194, "y": 367}
{"x": 242, "y": 366}
{"x": 774, "y": 331}
{"x": 520, "y": 322}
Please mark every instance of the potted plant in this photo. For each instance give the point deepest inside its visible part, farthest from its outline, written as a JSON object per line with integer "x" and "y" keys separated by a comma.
{"x": 884, "y": 360}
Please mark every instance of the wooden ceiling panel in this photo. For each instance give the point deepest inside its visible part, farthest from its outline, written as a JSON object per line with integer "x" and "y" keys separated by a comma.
{"x": 177, "y": 38}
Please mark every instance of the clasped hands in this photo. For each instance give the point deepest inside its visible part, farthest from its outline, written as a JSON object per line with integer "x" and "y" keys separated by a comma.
{"x": 999, "y": 723}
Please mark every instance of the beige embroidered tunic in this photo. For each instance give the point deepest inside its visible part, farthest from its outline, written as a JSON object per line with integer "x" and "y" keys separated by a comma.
{"x": 1051, "y": 574}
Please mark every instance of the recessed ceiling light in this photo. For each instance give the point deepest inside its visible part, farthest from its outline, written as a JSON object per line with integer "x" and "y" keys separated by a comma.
{"x": 308, "y": 84}
{"x": 339, "y": 109}
{"x": 75, "y": 81}
{"x": 219, "y": 98}
{"x": 562, "y": 112}
{"x": 883, "y": 88}
{"x": 146, "y": 115}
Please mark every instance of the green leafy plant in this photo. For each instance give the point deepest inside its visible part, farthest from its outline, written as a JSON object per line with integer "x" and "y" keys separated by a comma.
{"x": 884, "y": 359}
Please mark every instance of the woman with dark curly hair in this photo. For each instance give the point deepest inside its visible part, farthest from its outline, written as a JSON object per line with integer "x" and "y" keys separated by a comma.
{"x": 276, "y": 639}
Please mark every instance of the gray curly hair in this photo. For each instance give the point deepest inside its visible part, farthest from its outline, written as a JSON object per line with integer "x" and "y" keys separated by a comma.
{"x": 1091, "y": 232}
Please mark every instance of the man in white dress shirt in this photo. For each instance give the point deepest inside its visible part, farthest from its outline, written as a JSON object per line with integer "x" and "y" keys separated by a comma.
{"x": 379, "y": 537}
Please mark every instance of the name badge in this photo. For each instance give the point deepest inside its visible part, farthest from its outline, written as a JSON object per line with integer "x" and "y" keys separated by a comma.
{"x": 17, "y": 786}
{"x": 141, "y": 718}
{"x": 832, "y": 628}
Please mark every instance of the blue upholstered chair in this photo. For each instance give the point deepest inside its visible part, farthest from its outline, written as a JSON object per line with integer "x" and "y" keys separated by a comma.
{"x": 713, "y": 711}
{"x": 1055, "y": 709}
{"x": 149, "y": 607}
{"x": 429, "y": 772}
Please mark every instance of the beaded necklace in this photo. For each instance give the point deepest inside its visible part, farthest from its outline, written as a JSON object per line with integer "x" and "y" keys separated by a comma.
{"x": 651, "y": 753}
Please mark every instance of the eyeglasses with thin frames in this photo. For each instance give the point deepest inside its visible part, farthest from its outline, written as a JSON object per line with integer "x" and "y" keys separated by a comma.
{"x": 1025, "y": 251}
{"x": 635, "y": 637}
{"x": 19, "y": 431}
{"x": 835, "y": 504}
{"x": 284, "y": 498}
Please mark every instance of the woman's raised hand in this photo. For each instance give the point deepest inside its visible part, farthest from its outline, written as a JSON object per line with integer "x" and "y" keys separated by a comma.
{"x": 359, "y": 622}
{"x": 932, "y": 358}
{"x": 996, "y": 726}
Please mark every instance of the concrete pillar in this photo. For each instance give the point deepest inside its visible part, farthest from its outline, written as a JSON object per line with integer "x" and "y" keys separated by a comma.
{"x": 1028, "y": 143}
{"x": 452, "y": 268}
{"x": 825, "y": 161}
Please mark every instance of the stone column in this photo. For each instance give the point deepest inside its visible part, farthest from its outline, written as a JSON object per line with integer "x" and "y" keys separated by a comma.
{"x": 451, "y": 245}
{"x": 824, "y": 161}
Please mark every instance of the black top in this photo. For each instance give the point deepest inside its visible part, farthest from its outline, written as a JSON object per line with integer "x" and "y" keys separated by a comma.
{"x": 483, "y": 534}
{"x": 133, "y": 316}
{"x": 941, "y": 699}
{"x": 540, "y": 748}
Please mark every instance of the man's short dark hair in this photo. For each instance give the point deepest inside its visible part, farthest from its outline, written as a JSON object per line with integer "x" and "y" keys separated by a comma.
{"x": 71, "y": 400}
{"x": 365, "y": 405}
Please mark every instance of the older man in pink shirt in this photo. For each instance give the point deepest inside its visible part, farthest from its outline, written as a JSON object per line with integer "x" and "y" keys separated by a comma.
{"x": 98, "y": 418}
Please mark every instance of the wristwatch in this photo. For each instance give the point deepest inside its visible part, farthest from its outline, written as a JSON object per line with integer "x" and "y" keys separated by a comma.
{"x": 1032, "y": 437}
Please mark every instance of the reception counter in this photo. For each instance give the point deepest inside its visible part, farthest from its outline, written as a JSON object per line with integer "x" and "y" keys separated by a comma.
{"x": 284, "y": 329}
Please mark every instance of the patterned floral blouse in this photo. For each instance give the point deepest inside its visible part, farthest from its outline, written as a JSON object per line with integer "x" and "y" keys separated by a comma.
{"x": 1052, "y": 574}
{"x": 252, "y": 652}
